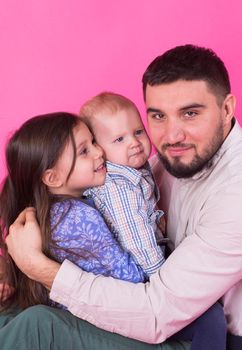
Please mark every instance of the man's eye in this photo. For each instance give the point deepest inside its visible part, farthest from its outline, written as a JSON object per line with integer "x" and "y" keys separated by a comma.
{"x": 190, "y": 114}
{"x": 139, "y": 132}
{"x": 157, "y": 116}
{"x": 119, "y": 139}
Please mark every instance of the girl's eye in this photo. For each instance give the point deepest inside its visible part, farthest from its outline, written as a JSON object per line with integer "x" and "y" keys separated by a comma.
{"x": 139, "y": 132}
{"x": 119, "y": 139}
{"x": 83, "y": 152}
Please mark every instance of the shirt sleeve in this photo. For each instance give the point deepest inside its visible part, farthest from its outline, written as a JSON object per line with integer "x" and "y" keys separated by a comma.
{"x": 201, "y": 269}
{"x": 127, "y": 210}
{"x": 87, "y": 242}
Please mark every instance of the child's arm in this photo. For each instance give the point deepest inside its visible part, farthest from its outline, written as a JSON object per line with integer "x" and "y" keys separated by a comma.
{"x": 89, "y": 244}
{"x": 126, "y": 210}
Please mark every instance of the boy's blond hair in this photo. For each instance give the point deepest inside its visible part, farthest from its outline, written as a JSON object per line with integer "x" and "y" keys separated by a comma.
{"x": 109, "y": 102}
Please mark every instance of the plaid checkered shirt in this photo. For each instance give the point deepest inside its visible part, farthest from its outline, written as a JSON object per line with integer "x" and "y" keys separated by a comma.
{"x": 127, "y": 202}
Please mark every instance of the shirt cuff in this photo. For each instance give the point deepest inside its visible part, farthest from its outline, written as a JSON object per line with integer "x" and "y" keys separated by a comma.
{"x": 64, "y": 281}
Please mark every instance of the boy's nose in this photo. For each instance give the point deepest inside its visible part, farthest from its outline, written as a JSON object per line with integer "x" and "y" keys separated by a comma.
{"x": 134, "y": 142}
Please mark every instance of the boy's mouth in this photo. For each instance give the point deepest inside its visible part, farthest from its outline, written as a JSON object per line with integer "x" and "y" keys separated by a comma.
{"x": 137, "y": 153}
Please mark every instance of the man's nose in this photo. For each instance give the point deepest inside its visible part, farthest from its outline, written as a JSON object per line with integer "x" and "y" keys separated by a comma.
{"x": 175, "y": 132}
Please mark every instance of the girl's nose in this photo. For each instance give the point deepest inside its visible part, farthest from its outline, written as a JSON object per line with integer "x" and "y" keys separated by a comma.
{"x": 98, "y": 151}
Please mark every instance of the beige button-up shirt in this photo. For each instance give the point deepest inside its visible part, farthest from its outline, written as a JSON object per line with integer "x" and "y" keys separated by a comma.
{"x": 205, "y": 227}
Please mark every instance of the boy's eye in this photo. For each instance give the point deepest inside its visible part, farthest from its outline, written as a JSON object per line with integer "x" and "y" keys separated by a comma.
{"x": 139, "y": 132}
{"x": 119, "y": 139}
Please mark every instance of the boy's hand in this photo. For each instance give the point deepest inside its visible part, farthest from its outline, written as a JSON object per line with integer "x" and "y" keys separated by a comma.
{"x": 162, "y": 225}
{"x": 161, "y": 232}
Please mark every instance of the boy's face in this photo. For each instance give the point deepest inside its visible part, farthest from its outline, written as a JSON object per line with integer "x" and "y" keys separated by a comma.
{"x": 123, "y": 137}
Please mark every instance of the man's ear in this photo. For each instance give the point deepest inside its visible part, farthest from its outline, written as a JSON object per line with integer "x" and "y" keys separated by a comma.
{"x": 229, "y": 108}
{"x": 51, "y": 178}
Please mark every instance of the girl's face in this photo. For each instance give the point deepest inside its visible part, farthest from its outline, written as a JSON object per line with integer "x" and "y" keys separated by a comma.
{"x": 89, "y": 169}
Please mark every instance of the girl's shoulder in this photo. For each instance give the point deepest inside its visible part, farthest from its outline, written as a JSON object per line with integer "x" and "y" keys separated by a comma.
{"x": 73, "y": 209}
{"x": 72, "y": 205}
{"x": 75, "y": 217}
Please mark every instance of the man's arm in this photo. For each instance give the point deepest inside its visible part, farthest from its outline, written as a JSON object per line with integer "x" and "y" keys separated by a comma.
{"x": 204, "y": 266}
{"x": 150, "y": 312}
{"x": 199, "y": 272}
{"x": 25, "y": 247}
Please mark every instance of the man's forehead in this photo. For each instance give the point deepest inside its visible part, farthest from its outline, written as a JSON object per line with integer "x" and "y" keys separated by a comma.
{"x": 181, "y": 92}
{"x": 178, "y": 84}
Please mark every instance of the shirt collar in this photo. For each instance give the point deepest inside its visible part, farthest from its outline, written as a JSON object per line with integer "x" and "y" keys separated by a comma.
{"x": 131, "y": 174}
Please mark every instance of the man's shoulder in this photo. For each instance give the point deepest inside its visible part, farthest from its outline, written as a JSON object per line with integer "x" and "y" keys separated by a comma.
{"x": 156, "y": 166}
{"x": 154, "y": 161}
{"x": 159, "y": 172}
{"x": 163, "y": 180}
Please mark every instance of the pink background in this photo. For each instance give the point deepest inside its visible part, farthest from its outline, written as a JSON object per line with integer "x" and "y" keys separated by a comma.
{"x": 55, "y": 54}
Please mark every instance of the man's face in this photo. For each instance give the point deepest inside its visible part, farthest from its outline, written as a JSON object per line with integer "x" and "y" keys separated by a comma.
{"x": 187, "y": 125}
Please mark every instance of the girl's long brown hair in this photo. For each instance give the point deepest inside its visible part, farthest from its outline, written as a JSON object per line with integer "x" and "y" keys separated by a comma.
{"x": 34, "y": 147}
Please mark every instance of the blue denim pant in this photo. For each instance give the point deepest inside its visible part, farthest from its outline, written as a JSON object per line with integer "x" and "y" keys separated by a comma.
{"x": 208, "y": 332}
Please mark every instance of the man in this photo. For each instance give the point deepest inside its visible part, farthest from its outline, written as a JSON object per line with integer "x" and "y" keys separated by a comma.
{"x": 191, "y": 121}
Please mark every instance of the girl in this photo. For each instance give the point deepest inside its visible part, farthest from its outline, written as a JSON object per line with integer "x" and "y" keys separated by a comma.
{"x": 51, "y": 160}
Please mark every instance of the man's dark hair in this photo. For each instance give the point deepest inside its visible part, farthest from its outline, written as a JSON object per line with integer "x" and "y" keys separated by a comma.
{"x": 189, "y": 63}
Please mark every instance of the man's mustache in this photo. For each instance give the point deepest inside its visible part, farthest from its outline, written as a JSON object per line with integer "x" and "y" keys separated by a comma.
{"x": 177, "y": 145}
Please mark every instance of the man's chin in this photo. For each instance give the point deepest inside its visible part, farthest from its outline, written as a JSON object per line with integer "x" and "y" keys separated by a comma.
{"x": 181, "y": 170}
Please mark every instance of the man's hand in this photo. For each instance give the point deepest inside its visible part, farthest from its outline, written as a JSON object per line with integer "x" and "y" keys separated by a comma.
{"x": 25, "y": 247}
{"x": 24, "y": 240}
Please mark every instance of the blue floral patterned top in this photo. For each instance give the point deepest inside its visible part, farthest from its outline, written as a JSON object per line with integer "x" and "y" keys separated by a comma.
{"x": 81, "y": 231}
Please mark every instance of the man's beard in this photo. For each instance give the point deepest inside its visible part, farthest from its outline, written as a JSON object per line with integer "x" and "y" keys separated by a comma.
{"x": 198, "y": 163}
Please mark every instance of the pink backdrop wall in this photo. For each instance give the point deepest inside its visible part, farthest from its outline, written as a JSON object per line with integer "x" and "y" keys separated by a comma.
{"x": 55, "y": 54}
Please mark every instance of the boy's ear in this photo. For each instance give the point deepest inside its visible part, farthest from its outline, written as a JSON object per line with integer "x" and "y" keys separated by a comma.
{"x": 51, "y": 179}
